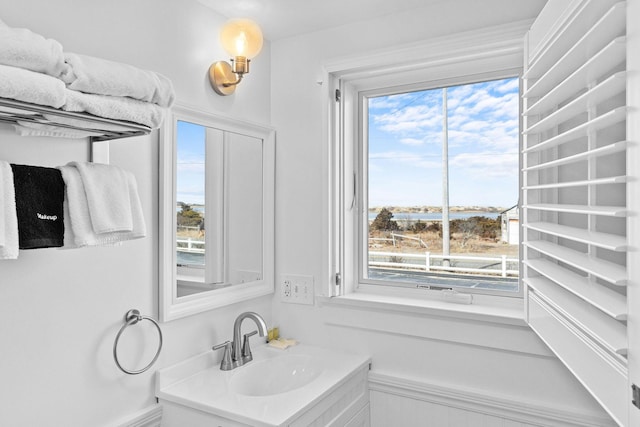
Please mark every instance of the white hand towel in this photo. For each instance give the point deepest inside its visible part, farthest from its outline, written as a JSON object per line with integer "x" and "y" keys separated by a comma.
{"x": 32, "y": 87}
{"x": 115, "y": 107}
{"x": 78, "y": 231}
{"x": 22, "y": 48}
{"x": 137, "y": 217}
{"x": 104, "y": 77}
{"x": 107, "y": 193}
{"x": 78, "y": 228}
{"x": 8, "y": 217}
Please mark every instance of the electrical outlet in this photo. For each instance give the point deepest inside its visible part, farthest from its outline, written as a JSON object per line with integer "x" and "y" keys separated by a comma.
{"x": 297, "y": 289}
{"x": 286, "y": 288}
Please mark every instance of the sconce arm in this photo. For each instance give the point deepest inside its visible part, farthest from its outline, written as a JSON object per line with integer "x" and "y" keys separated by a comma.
{"x": 222, "y": 78}
{"x": 238, "y": 80}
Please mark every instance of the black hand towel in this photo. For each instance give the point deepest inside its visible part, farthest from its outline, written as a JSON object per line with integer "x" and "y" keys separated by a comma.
{"x": 39, "y": 198}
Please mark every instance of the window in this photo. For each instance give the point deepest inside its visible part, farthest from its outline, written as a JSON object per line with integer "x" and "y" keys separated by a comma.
{"x": 417, "y": 142}
{"x": 579, "y": 184}
{"x": 440, "y": 169}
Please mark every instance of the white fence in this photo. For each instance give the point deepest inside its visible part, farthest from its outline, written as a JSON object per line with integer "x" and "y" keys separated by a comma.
{"x": 395, "y": 237}
{"x": 426, "y": 261}
{"x": 190, "y": 245}
{"x": 457, "y": 263}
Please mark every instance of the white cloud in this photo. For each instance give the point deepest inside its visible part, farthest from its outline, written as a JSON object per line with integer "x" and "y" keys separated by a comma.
{"x": 474, "y": 125}
{"x": 411, "y": 119}
{"x": 187, "y": 166}
{"x": 407, "y": 159}
{"x": 487, "y": 164}
{"x": 509, "y": 86}
{"x": 412, "y": 141}
{"x": 391, "y": 101}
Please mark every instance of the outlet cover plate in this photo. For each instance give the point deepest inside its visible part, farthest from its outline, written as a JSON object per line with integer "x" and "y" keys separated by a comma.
{"x": 296, "y": 289}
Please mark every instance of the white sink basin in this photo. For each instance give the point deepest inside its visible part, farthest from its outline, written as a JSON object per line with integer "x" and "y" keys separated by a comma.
{"x": 275, "y": 376}
{"x": 273, "y": 390}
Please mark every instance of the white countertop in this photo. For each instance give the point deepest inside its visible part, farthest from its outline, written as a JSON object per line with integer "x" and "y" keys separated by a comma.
{"x": 200, "y": 384}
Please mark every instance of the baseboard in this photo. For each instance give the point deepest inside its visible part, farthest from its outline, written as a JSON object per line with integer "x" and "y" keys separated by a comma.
{"x": 521, "y": 411}
{"x": 148, "y": 417}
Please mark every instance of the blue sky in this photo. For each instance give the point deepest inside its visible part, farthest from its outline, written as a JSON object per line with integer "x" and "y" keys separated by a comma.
{"x": 190, "y": 163}
{"x": 405, "y": 146}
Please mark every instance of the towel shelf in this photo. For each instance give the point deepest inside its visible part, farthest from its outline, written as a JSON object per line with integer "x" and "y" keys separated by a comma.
{"x": 12, "y": 112}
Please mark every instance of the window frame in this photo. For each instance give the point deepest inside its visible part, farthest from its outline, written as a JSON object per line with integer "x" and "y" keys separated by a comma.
{"x": 495, "y": 52}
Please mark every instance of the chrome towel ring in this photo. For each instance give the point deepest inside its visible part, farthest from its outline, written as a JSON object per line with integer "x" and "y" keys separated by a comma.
{"x": 132, "y": 317}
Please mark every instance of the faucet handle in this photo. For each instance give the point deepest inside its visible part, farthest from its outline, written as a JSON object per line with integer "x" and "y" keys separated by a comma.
{"x": 226, "y": 364}
{"x": 246, "y": 348}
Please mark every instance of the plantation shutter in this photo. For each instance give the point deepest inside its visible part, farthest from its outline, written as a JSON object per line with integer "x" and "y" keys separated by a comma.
{"x": 575, "y": 193}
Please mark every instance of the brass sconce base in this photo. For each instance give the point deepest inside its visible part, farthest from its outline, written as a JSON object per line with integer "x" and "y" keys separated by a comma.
{"x": 222, "y": 78}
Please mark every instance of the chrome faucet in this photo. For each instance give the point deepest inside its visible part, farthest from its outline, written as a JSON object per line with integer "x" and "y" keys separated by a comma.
{"x": 235, "y": 354}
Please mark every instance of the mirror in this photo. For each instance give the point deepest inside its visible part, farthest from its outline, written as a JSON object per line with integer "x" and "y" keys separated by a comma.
{"x": 216, "y": 212}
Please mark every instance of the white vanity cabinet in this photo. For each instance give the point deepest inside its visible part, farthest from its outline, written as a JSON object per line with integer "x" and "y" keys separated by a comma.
{"x": 341, "y": 406}
{"x": 197, "y": 393}
{"x": 174, "y": 415}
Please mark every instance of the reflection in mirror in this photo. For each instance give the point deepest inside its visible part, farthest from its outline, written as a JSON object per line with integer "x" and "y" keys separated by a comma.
{"x": 219, "y": 208}
{"x": 243, "y": 225}
{"x": 190, "y": 208}
{"x": 216, "y": 213}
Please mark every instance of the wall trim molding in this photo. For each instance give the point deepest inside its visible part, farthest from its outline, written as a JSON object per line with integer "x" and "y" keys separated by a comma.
{"x": 528, "y": 412}
{"x": 148, "y": 417}
{"x": 499, "y": 39}
{"x": 516, "y": 339}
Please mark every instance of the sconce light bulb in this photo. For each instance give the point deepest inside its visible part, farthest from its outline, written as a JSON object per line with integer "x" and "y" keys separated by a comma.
{"x": 241, "y": 44}
{"x": 241, "y": 37}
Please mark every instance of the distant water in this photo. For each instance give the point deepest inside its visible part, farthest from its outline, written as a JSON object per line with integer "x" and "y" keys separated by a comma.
{"x": 189, "y": 258}
{"x": 435, "y": 216}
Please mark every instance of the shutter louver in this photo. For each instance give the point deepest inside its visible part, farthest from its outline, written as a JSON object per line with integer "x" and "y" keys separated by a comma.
{"x": 574, "y": 196}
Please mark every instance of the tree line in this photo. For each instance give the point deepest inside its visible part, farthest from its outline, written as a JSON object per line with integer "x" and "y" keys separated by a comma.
{"x": 187, "y": 217}
{"x": 480, "y": 226}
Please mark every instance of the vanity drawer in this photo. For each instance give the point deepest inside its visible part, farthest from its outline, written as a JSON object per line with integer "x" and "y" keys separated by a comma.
{"x": 175, "y": 415}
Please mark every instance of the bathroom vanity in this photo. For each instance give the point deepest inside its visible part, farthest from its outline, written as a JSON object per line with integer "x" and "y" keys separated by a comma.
{"x": 300, "y": 386}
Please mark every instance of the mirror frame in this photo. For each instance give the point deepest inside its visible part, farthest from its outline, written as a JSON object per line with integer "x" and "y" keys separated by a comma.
{"x": 170, "y": 306}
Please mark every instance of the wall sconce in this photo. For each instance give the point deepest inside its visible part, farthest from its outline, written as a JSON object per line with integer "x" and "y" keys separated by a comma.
{"x": 242, "y": 39}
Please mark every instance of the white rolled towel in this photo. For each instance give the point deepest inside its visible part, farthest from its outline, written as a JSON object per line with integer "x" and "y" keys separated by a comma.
{"x": 115, "y": 107}
{"x": 22, "y": 48}
{"x": 103, "y": 77}
{"x": 29, "y": 86}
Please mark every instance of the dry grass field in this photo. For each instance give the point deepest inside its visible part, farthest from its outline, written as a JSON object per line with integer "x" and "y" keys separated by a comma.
{"x": 383, "y": 241}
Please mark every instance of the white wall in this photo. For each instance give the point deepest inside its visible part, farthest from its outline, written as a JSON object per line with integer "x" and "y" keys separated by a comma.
{"x": 60, "y": 310}
{"x": 478, "y": 357}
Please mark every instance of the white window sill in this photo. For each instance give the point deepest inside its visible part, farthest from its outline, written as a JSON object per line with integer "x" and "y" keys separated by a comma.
{"x": 493, "y": 309}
